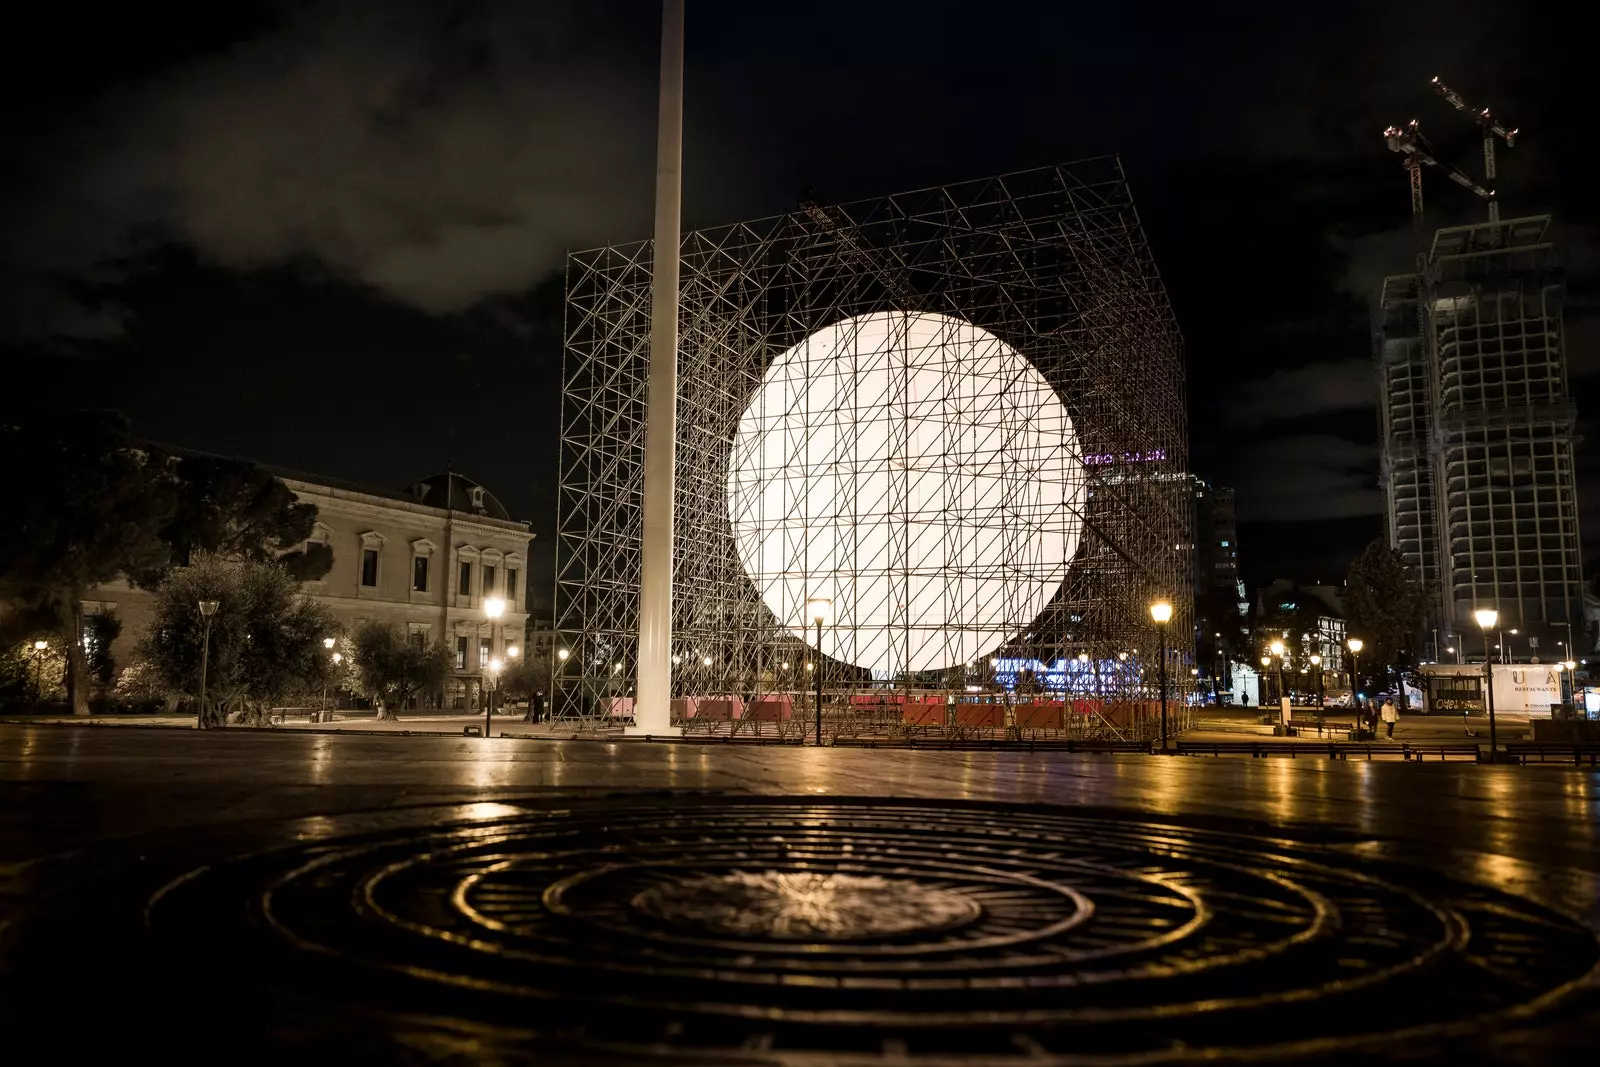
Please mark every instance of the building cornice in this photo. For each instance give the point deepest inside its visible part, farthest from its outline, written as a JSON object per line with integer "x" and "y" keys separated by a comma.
{"x": 367, "y": 504}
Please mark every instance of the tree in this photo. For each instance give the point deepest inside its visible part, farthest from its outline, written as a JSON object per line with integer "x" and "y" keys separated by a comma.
{"x": 1386, "y": 607}
{"x": 233, "y": 508}
{"x": 525, "y": 677}
{"x": 100, "y": 633}
{"x": 89, "y": 504}
{"x": 266, "y": 640}
{"x": 85, "y": 506}
{"x": 392, "y": 669}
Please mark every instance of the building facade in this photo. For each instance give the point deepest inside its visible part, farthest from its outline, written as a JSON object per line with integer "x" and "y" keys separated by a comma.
{"x": 1478, "y": 430}
{"x": 429, "y": 559}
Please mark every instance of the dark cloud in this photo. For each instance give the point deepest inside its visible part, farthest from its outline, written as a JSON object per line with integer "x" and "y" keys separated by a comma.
{"x": 1306, "y": 477}
{"x": 435, "y": 156}
{"x": 1298, "y": 392}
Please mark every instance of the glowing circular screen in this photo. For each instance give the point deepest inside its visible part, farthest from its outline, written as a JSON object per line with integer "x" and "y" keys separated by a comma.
{"x": 917, "y": 472}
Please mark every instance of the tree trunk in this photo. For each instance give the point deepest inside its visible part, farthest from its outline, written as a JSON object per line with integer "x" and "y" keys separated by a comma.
{"x": 77, "y": 667}
{"x": 385, "y": 711}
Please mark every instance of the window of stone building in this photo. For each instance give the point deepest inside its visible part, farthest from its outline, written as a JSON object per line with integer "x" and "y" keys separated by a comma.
{"x": 465, "y": 588}
{"x": 461, "y": 653}
{"x": 369, "y": 567}
{"x": 419, "y": 574}
{"x": 484, "y": 644}
{"x": 490, "y": 573}
{"x": 511, "y": 583}
{"x": 418, "y": 638}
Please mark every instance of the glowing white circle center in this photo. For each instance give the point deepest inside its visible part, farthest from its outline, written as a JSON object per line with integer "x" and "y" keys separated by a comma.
{"x": 918, "y": 472}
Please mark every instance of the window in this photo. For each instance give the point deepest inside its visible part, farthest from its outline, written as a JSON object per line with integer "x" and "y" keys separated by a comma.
{"x": 369, "y": 567}
{"x": 512, "y": 574}
{"x": 461, "y": 653}
{"x": 419, "y": 574}
{"x": 1224, "y": 544}
{"x": 419, "y": 639}
{"x": 484, "y": 645}
{"x": 490, "y": 573}
{"x": 466, "y": 579}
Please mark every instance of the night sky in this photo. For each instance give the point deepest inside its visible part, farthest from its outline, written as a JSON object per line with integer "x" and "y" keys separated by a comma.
{"x": 329, "y": 236}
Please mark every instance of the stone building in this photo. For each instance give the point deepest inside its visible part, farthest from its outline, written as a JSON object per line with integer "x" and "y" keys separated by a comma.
{"x": 429, "y": 558}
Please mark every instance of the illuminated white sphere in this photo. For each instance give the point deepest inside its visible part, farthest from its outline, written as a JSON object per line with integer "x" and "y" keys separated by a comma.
{"x": 918, "y": 472}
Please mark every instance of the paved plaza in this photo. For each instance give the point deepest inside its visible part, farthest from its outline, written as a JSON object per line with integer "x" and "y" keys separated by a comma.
{"x": 259, "y": 895}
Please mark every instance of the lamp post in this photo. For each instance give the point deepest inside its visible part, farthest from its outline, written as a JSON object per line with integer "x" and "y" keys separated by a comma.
{"x": 1161, "y": 614}
{"x": 208, "y": 608}
{"x": 1571, "y": 683}
{"x": 819, "y": 610}
{"x": 1486, "y": 618}
{"x": 488, "y": 705}
{"x": 1266, "y": 665}
{"x": 1283, "y": 693}
{"x": 494, "y": 607}
{"x": 327, "y": 643}
{"x": 1316, "y": 666}
{"x": 1355, "y": 645}
{"x": 38, "y": 669}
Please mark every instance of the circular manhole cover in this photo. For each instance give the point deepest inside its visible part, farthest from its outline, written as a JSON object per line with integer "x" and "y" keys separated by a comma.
{"x": 842, "y": 930}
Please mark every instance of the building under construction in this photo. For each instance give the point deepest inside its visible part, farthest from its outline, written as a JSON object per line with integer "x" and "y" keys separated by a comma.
{"x": 956, "y": 413}
{"x": 1477, "y": 420}
{"x": 1478, "y": 432}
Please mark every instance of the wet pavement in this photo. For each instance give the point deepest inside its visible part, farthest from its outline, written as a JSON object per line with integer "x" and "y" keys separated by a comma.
{"x": 425, "y": 899}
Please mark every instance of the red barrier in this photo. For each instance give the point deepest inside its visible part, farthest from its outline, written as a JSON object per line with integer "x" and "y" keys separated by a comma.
{"x": 771, "y": 709}
{"x": 980, "y": 715}
{"x": 919, "y": 713}
{"x": 1038, "y": 716}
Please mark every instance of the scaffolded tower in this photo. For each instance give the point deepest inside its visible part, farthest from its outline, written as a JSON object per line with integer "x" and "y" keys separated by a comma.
{"x": 1048, "y": 266}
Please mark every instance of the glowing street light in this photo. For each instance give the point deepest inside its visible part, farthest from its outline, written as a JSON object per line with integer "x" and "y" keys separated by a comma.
{"x": 1355, "y": 645}
{"x": 494, "y": 607}
{"x": 512, "y": 652}
{"x": 327, "y": 642}
{"x": 1161, "y": 614}
{"x": 562, "y": 654}
{"x": 1486, "y": 618}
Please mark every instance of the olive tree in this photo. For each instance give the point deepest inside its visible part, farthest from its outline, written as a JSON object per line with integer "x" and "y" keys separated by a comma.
{"x": 265, "y": 645}
{"x": 391, "y": 668}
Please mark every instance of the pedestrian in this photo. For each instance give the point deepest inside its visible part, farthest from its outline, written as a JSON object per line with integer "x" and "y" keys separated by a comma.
{"x": 1390, "y": 716}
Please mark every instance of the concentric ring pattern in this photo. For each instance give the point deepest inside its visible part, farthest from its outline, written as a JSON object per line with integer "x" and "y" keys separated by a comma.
{"x": 737, "y": 928}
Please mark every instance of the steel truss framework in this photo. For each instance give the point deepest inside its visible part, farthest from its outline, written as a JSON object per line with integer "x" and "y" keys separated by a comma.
{"x": 1054, "y": 264}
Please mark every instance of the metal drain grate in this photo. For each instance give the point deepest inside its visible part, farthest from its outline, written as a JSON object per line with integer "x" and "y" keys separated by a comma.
{"x": 737, "y": 927}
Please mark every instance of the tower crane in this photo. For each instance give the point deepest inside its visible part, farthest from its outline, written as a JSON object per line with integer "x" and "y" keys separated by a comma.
{"x": 1409, "y": 142}
{"x": 1491, "y": 129}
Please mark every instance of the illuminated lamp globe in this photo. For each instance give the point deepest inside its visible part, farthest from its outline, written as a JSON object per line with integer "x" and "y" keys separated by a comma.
{"x": 905, "y": 466}
{"x": 1355, "y": 644}
{"x": 1486, "y": 617}
{"x": 1161, "y": 612}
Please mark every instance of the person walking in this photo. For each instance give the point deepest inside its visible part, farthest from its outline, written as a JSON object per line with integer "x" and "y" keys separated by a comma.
{"x": 1390, "y": 716}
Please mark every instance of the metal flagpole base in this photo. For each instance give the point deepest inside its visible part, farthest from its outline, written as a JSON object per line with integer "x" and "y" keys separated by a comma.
{"x": 652, "y": 731}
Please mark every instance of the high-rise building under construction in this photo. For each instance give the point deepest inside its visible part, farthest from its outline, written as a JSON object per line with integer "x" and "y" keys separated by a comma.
{"x": 1478, "y": 433}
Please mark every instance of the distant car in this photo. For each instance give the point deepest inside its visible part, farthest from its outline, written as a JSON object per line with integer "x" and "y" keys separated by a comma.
{"x": 1342, "y": 700}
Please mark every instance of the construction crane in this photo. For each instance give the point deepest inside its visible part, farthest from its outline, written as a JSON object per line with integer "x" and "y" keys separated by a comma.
{"x": 1409, "y": 142}
{"x": 1491, "y": 130}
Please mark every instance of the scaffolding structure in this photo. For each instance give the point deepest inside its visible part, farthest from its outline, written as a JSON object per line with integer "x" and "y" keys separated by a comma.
{"x": 957, "y": 413}
{"x": 1479, "y": 430}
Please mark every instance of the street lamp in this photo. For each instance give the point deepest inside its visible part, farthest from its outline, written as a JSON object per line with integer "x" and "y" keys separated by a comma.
{"x": 1355, "y": 645}
{"x": 819, "y": 610}
{"x": 1316, "y": 663}
{"x": 1161, "y": 614}
{"x": 38, "y": 669}
{"x": 1486, "y": 618}
{"x": 488, "y": 705}
{"x": 208, "y": 608}
{"x": 493, "y": 608}
{"x": 1283, "y": 693}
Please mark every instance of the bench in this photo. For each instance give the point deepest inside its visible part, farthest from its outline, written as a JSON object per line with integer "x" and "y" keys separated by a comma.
{"x": 1302, "y": 726}
{"x": 1256, "y": 749}
{"x": 1579, "y": 752}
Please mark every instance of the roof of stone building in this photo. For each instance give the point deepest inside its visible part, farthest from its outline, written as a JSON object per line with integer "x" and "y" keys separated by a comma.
{"x": 460, "y": 492}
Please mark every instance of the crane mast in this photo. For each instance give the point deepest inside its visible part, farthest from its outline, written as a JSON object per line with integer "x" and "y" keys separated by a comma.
{"x": 1491, "y": 129}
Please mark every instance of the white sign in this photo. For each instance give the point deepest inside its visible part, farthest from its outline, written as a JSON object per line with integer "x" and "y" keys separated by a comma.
{"x": 1525, "y": 688}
